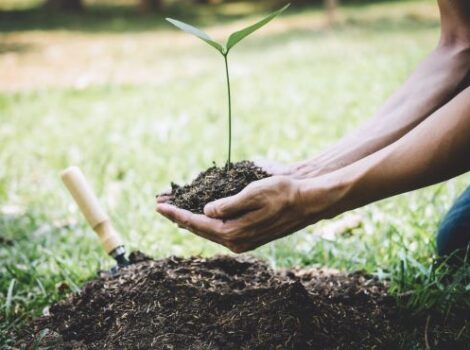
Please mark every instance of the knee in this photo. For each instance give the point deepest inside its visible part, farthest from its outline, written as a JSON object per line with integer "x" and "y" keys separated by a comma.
{"x": 452, "y": 239}
{"x": 444, "y": 239}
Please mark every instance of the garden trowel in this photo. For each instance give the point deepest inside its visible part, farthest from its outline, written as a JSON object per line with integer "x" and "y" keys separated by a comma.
{"x": 86, "y": 200}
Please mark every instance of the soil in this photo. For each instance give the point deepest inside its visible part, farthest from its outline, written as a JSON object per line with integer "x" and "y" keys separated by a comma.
{"x": 232, "y": 303}
{"x": 223, "y": 303}
{"x": 215, "y": 183}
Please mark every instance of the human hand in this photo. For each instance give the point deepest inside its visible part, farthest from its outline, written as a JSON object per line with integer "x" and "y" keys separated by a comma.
{"x": 271, "y": 167}
{"x": 164, "y": 197}
{"x": 264, "y": 211}
{"x": 298, "y": 170}
{"x": 274, "y": 168}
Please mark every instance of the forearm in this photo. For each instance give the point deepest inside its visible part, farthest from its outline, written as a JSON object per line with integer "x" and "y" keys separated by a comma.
{"x": 434, "y": 151}
{"x": 438, "y": 79}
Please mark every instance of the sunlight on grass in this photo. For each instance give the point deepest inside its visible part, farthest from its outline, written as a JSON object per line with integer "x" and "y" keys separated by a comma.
{"x": 6, "y": 5}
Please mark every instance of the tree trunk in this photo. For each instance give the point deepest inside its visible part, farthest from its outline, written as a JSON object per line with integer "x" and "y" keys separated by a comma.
{"x": 147, "y": 6}
{"x": 65, "y": 5}
{"x": 331, "y": 7}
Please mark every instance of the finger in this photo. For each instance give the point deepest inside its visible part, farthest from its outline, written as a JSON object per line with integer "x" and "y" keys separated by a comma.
{"x": 247, "y": 226}
{"x": 271, "y": 167}
{"x": 264, "y": 231}
{"x": 205, "y": 236}
{"x": 172, "y": 213}
{"x": 199, "y": 224}
{"x": 233, "y": 206}
{"x": 163, "y": 198}
{"x": 179, "y": 216}
{"x": 266, "y": 165}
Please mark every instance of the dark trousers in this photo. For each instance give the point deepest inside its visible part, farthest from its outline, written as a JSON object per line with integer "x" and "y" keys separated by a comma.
{"x": 454, "y": 231}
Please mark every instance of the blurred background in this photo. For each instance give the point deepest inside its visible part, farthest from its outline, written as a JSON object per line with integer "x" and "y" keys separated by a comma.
{"x": 110, "y": 86}
{"x": 78, "y": 43}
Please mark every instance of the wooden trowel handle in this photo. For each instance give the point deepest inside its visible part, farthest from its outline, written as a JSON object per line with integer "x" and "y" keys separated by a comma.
{"x": 86, "y": 200}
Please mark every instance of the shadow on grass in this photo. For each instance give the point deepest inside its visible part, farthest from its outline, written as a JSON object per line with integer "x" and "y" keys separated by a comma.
{"x": 382, "y": 26}
{"x": 115, "y": 19}
{"x": 120, "y": 18}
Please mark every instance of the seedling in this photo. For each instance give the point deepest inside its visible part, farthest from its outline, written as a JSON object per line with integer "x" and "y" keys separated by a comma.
{"x": 232, "y": 40}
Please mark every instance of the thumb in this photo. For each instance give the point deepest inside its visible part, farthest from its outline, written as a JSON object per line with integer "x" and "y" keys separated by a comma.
{"x": 231, "y": 207}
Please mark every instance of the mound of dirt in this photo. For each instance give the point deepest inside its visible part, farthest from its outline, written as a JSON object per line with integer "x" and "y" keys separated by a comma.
{"x": 220, "y": 303}
{"x": 215, "y": 183}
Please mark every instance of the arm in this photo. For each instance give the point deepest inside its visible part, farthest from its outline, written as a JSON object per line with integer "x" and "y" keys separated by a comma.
{"x": 436, "y": 80}
{"x": 437, "y": 149}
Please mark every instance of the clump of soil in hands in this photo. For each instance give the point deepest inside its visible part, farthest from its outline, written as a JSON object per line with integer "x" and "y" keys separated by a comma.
{"x": 215, "y": 183}
{"x": 225, "y": 303}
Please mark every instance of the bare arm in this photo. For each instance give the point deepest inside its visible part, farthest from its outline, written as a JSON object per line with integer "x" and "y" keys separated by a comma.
{"x": 435, "y": 150}
{"x": 437, "y": 80}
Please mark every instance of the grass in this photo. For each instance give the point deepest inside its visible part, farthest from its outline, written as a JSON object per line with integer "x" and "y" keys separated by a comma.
{"x": 137, "y": 111}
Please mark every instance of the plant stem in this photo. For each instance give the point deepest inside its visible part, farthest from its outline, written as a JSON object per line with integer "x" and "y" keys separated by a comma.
{"x": 229, "y": 113}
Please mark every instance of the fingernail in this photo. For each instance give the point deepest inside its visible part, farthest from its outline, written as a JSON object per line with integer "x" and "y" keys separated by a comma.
{"x": 209, "y": 209}
{"x": 161, "y": 207}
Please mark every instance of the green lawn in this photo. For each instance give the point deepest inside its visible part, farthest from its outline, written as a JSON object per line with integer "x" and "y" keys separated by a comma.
{"x": 296, "y": 89}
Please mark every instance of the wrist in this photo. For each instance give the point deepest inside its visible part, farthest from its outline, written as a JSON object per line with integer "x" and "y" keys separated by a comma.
{"x": 324, "y": 163}
{"x": 329, "y": 195}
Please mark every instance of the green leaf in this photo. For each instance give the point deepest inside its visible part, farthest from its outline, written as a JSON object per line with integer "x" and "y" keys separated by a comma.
{"x": 238, "y": 36}
{"x": 9, "y": 301}
{"x": 196, "y": 32}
